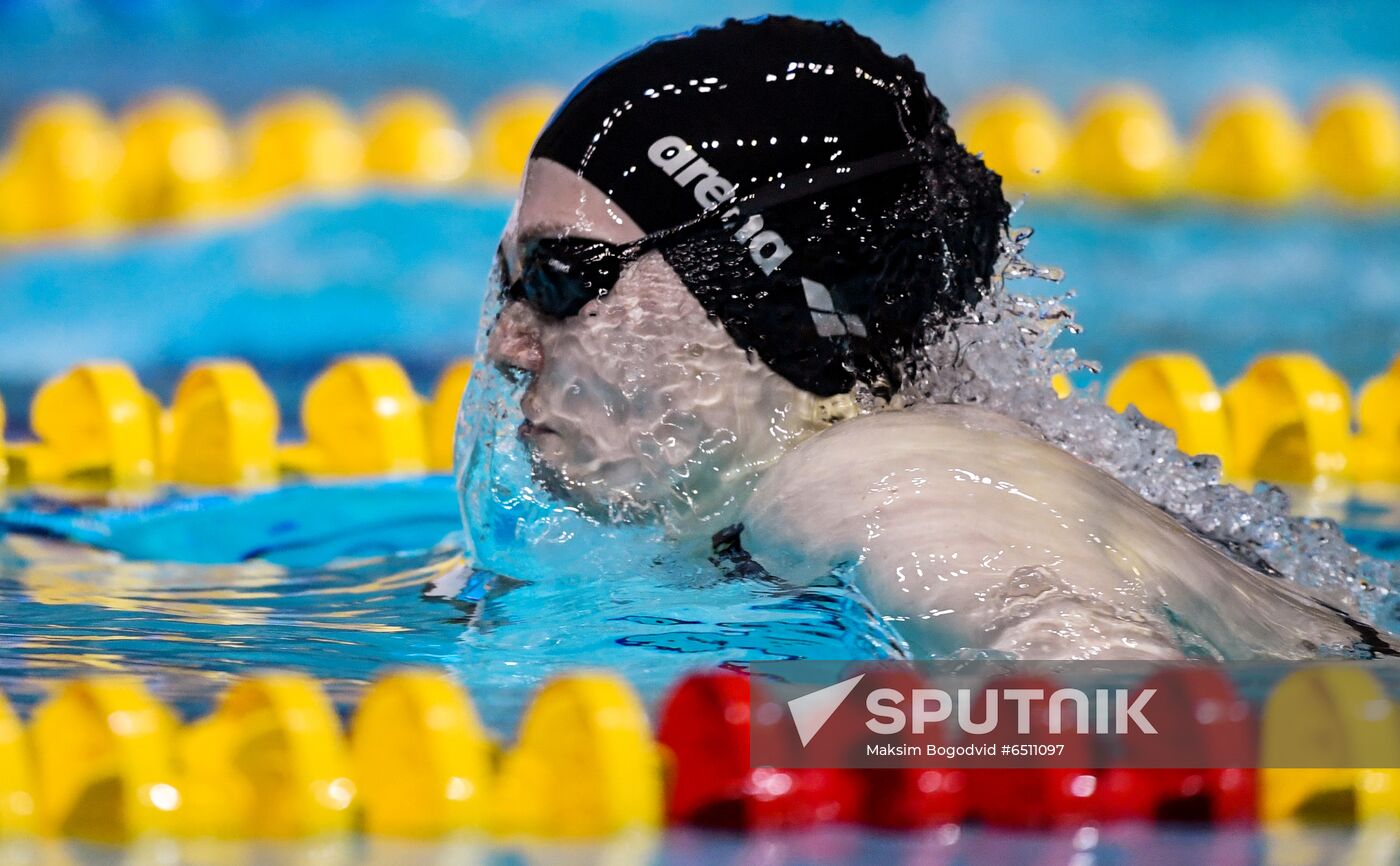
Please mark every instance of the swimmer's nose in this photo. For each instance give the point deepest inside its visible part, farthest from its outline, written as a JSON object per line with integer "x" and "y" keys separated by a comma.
{"x": 515, "y": 341}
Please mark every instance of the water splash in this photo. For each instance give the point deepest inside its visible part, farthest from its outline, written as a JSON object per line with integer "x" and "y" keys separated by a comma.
{"x": 622, "y": 592}
{"x": 1003, "y": 356}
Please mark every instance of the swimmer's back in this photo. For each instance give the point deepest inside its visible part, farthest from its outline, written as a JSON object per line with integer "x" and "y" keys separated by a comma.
{"x": 959, "y": 510}
{"x": 868, "y": 464}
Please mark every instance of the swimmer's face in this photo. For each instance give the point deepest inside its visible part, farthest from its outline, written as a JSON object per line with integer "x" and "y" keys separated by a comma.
{"x": 640, "y": 403}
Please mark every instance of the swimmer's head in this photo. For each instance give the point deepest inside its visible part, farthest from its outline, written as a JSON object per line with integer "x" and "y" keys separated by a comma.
{"x": 719, "y": 238}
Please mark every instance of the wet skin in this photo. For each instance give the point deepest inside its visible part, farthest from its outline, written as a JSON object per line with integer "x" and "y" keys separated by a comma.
{"x": 966, "y": 526}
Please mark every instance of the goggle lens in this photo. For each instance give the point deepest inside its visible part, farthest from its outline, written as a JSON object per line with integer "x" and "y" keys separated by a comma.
{"x": 558, "y": 276}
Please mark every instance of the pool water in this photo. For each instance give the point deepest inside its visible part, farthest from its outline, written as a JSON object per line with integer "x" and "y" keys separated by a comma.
{"x": 404, "y": 275}
{"x": 197, "y": 588}
{"x": 947, "y": 846}
{"x": 336, "y": 581}
{"x": 344, "y": 581}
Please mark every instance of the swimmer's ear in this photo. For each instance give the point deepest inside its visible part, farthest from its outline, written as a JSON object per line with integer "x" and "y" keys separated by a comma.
{"x": 829, "y": 410}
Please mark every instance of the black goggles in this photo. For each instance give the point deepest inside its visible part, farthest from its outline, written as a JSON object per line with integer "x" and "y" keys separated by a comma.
{"x": 559, "y": 276}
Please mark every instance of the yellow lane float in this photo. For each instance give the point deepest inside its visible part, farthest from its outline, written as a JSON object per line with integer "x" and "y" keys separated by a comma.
{"x": 1290, "y": 417}
{"x": 269, "y": 762}
{"x": 1177, "y": 391}
{"x": 362, "y": 417}
{"x": 18, "y": 807}
{"x": 423, "y": 763}
{"x": 177, "y": 158}
{"x": 1286, "y": 419}
{"x": 1125, "y": 147}
{"x": 1251, "y": 150}
{"x": 585, "y": 765}
{"x": 14, "y": 212}
{"x": 69, "y": 170}
{"x": 103, "y": 761}
{"x": 64, "y": 158}
{"x": 442, "y": 414}
{"x": 1333, "y": 715}
{"x": 95, "y": 428}
{"x": 223, "y": 428}
{"x": 1377, "y": 451}
{"x": 305, "y": 141}
{"x": 4, "y": 461}
{"x": 413, "y": 138}
{"x": 1022, "y": 138}
{"x": 1356, "y": 146}
{"x": 506, "y": 131}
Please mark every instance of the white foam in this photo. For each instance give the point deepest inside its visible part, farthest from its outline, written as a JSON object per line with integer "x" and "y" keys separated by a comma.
{"x": 1003, "y": 356}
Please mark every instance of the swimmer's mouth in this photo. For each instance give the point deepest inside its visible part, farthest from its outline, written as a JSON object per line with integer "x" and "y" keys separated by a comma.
{"x": 529, "y": 429}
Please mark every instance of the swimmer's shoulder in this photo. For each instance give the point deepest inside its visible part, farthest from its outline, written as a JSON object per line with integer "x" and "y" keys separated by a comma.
{"x": 849, "y": 452}
{"x": 838, "y": 471}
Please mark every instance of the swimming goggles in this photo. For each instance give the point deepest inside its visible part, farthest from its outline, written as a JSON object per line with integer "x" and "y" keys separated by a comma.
{"x": 559, "y": 275}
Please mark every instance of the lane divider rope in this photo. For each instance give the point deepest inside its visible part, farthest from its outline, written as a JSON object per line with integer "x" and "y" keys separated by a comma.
{"x": 1287, "y": 418}
{"x": 172, "y": 156}
{"x": 96, "y": 428}
{"x": 1248, "y": 150}
{"x": 102, "y": 759}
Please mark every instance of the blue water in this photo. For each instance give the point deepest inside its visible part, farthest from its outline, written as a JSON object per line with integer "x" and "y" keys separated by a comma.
{"x": 326, "y": 597}
{"x": 330, "y": 579}
{"x": 470, "y": 50}
{"x": 831, "y": 846}
{"x": 405, "y": 275}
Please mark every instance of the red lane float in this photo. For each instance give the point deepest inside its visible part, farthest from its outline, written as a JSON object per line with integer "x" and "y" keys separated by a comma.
{"x": 1198, "y": 712}
{"x": 896, "y": 797}
{"x": 1060, "y": 792}
{"x": 705, "y": 724}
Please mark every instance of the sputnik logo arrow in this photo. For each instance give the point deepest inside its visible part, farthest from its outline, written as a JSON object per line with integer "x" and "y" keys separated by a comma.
{"x": 811, "y": 711}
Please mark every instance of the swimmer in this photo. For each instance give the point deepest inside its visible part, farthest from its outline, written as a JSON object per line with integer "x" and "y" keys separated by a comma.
{"x": 728, "y": 249}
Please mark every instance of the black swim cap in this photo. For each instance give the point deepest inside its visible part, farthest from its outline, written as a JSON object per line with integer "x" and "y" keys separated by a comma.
{"x": 830, "y": 288}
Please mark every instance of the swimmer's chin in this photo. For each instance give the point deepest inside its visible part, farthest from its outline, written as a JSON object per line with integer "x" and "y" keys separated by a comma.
{"x": 617, "y": 493}
{"x": 595, "y": 500}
